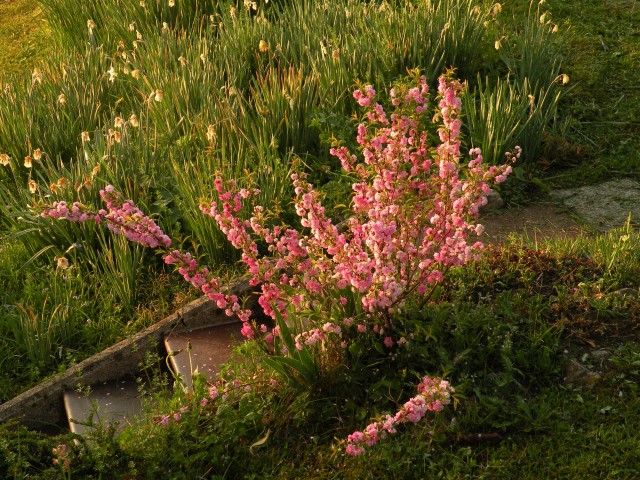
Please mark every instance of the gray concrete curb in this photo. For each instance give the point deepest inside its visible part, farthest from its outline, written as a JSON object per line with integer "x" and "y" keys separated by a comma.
{"x": 42, "y": 406}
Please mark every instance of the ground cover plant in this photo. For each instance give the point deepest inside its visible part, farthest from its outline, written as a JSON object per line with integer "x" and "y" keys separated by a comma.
{"x": 147, "y": 105}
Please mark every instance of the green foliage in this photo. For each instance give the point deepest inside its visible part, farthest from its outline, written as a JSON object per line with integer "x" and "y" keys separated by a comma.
{"x": 25, "y": 454}
{"x": 499, "y": 331}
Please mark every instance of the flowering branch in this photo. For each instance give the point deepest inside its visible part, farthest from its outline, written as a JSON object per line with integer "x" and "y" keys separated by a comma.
{"x": 434, "y": 394}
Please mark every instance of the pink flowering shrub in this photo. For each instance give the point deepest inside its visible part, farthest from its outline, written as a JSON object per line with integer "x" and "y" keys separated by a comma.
{"x": 413, "y": 215}
{"x": 434, "y": 394}
{"x": 413, "y": 209}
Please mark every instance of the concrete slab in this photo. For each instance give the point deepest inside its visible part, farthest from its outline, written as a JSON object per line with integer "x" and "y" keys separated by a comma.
{"x": 203, "y": 349}
{"x": 41, "y": 407}
{"x": 603, "y": 206}
{"x": 104, "y": 403}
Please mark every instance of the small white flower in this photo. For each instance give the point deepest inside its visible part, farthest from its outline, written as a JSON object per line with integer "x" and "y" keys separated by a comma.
{"x": 112, "y": 74}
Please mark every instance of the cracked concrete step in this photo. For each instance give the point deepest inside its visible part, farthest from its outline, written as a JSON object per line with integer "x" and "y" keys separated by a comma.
{"x": 104, "y": 403}
{"x": 209, "y": 347}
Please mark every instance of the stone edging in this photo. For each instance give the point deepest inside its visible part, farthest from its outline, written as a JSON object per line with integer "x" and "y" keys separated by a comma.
{"x": 42, "y": 405}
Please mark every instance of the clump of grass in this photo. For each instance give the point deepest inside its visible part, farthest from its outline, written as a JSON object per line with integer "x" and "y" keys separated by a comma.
{"x": 149, "y": 97}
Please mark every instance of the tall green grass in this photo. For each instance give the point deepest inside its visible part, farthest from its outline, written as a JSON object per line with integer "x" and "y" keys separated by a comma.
{"x": 155, "y": 99}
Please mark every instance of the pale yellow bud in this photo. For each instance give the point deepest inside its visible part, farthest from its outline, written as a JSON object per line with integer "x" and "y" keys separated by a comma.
{"x": 63, "y": 263}
{"x": 211, "y": 133}
{"x": 36, "y": 76}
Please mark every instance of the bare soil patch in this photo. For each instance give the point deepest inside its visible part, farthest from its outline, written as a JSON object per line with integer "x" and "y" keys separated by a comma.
{"x": 538, "y": 222}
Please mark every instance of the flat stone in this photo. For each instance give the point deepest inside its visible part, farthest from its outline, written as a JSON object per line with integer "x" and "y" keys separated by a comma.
{"x": 203, "y": 350}
{"x": 632, "y": 293}
{"x": 600, "y": 355}
{"x": 104, "y": 403}
{"x": 41, "y": 407}
{"x": 578, "y": 374}
{"x": 603, "y": 206}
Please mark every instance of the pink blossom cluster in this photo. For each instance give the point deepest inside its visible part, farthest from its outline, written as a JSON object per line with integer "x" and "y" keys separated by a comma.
{"x": 125, "y": 217}
{"x": 434, "y": 394}
{"x": 77, "y": 213}
{"x": 202, "y": 278}
{"x": 311, "y": 337}
{"x": 411, "y": 213}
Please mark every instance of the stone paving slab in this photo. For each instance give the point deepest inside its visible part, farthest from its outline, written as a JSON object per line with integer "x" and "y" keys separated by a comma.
{"x": 41, "y": 407}
{"x": 202, "y": 350}
{"x": 603, "y": 206}
{"x": 104, "y": 403}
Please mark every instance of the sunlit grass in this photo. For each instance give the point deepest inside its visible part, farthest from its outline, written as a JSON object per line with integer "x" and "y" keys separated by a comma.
{"x": 155, "y": 98}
